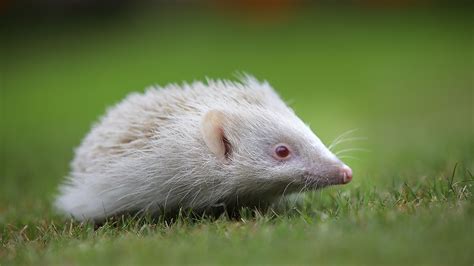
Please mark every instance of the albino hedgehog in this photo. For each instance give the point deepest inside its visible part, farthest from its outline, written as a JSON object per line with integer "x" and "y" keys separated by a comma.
{"x": 196, "y": 146}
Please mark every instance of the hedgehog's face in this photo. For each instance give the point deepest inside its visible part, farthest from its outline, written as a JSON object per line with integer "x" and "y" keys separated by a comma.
{"x": 276, "y": 152}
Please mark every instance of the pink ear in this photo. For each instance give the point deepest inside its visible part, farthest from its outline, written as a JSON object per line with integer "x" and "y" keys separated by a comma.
{"x": 213, "y": 133}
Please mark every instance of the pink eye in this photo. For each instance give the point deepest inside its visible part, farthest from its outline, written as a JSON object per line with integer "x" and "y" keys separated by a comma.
{"x": 282, "y": 151}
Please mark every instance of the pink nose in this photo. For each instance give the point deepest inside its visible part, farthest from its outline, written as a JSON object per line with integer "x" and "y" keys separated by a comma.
{"x": 347, "y": 174}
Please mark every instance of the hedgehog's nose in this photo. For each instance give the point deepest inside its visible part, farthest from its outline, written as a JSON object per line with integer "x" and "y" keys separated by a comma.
{"x": 346, "y": 172}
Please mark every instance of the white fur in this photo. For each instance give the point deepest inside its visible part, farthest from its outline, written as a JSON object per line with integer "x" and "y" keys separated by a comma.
{"x": 148, "y": 153}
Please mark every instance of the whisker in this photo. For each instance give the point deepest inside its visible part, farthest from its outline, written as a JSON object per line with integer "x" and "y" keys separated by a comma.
{"x": 283, "y": 194}
{"x": 343, "y": 140}
{"x": 351, "y": 149}
{"x": 341, "y": 136}
{"x": 348, "y": 157}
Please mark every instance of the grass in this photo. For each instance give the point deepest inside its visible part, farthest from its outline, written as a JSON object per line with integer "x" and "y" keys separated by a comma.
{"x": 403, "y": 78}
{"x": 420, "y": 223}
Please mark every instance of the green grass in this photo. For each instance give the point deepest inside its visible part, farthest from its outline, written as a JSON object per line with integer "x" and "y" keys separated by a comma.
{"x": 404, "y": 79}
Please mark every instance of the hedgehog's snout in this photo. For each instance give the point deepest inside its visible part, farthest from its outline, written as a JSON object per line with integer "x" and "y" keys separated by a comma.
{"x": 346, "y": 173}
{"x": 339, "y": 175}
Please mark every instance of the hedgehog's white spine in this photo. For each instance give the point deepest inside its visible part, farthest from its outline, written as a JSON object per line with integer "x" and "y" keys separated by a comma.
{"x": 148, "y": 153}
{"x": 111, "y": 173}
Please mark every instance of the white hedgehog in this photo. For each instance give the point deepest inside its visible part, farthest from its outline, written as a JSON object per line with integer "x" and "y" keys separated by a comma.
{"x": 196, "y": 146}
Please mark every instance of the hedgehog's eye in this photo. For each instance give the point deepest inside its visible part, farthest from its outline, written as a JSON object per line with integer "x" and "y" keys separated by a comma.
{"x": 282, "y": 152}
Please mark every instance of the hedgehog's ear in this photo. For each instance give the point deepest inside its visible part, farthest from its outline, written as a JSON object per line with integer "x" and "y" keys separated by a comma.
{"x": 212, "y": 131}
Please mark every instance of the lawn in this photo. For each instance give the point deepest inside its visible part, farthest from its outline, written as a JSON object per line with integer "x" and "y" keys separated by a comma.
{"x": 401, "y": 83}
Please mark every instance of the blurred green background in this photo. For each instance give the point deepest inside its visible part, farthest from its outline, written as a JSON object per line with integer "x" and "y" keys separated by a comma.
{"x": 401, "y": 74}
